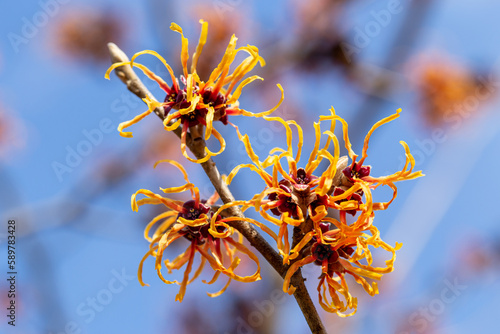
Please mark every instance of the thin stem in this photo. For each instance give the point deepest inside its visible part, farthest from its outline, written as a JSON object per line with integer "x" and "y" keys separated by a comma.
{"x": 197, "y": 147}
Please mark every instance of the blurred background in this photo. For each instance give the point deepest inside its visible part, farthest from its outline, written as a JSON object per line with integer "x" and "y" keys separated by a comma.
{"x": 66, "y": 176}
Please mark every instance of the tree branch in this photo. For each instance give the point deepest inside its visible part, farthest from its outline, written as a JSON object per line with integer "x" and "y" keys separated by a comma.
{"x": 197, "y": 147}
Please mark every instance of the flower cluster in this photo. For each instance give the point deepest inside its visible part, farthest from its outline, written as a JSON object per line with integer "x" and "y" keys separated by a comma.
{"x": 295, "y": 197}
{"x": 199, "y": 103}
{"x": 315, "y": 203}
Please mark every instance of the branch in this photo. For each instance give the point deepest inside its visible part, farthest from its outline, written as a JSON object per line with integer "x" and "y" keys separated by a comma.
{"x": 197, "y": 147}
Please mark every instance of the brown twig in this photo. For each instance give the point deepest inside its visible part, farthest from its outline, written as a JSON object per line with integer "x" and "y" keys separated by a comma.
{"x": 197, "y": 147}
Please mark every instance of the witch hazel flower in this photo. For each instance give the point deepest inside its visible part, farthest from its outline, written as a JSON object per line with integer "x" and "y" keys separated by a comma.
{"x": 192, "y": 103}
{"x": 190, "y": 222}
{"x": 340, "y": 259}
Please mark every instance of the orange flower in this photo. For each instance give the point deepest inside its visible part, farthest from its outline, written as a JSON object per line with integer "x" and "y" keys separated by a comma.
{"x": 341, "y": 258}
{"x": 200, "y": 103}
{"x": 191, "y": 221}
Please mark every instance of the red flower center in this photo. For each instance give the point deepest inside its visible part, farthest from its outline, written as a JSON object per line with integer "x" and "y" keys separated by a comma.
{"x": 193, "y": 212}
{"x": 176, "y": 99}
{"x": 356, "y": 172}
{"x": 322, "y": 252}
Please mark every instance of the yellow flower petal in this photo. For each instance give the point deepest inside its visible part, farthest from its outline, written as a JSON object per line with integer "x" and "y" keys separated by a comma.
{"x": 124, "y": 125}
{"x": 184, "y": 51}
{"x": 199, "y": 47}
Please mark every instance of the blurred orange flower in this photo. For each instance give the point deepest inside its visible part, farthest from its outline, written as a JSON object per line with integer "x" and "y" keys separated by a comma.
{"x": 448, "y": 90}
{"x": 11, "y": 134}
{"x": 84, "y": 33}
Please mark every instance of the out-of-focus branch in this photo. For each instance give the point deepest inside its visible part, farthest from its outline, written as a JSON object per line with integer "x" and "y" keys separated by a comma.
{"x": 197, "y": 147}
{"x": 408, "y": 34}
